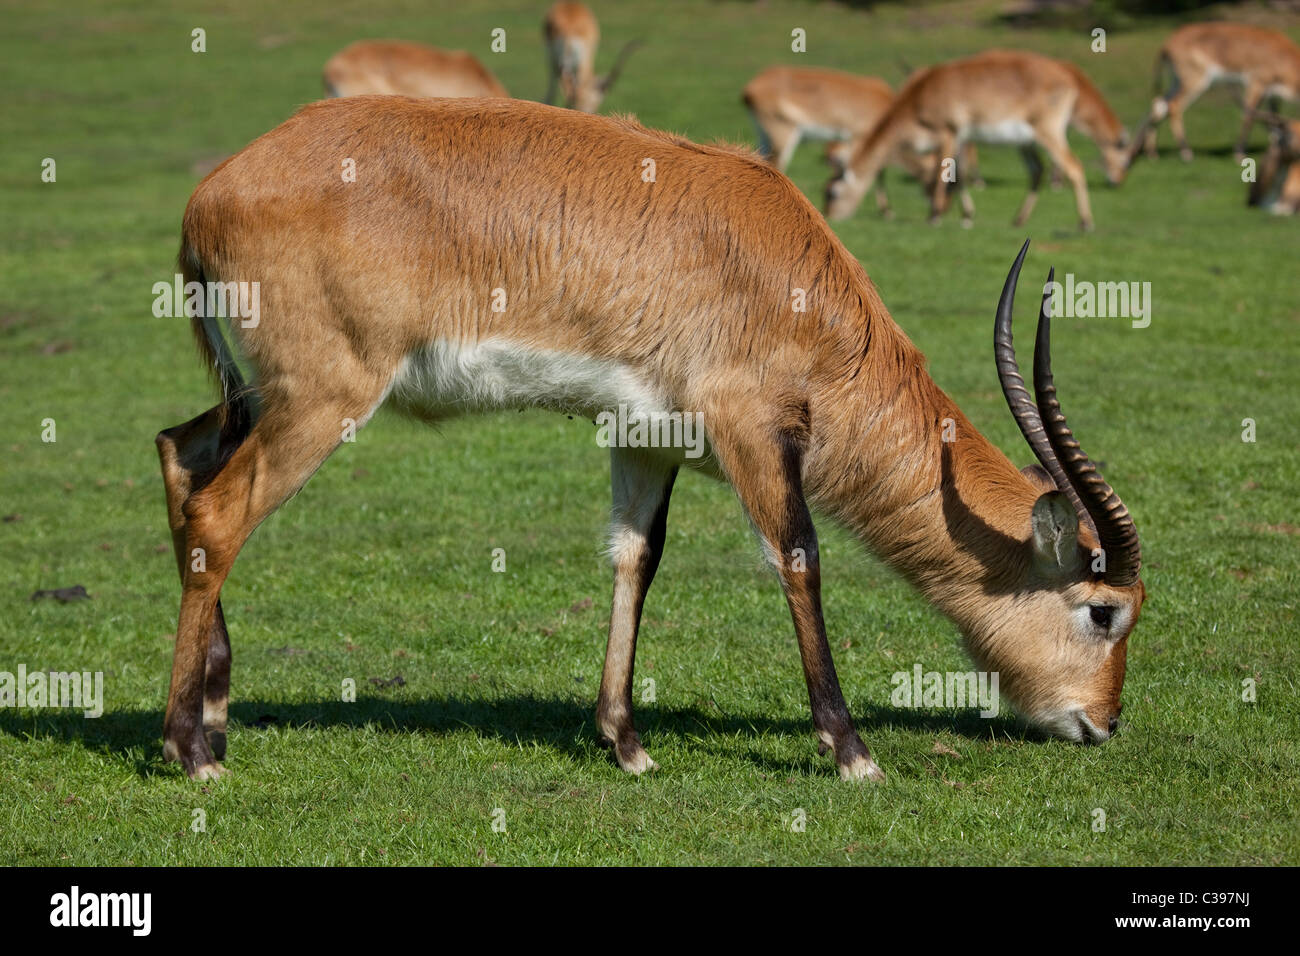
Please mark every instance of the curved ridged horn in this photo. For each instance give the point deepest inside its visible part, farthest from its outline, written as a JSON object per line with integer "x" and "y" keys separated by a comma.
{"x": 610, "y": 78}
{"x": 1018, "y": 399}
{"x": 1114, "y": 525}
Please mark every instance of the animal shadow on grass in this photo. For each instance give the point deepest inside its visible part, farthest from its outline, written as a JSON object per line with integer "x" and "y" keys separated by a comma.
{"x": 563, "y": 724}
{"x": 1169, "y": 150}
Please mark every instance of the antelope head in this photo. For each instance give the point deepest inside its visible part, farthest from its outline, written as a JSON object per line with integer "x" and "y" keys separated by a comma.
{"x": 1116, "y": 158}
{"x": 1277, "y": 186}
{"x": 591, "y": 95}
{"x": 1058, "y": 635}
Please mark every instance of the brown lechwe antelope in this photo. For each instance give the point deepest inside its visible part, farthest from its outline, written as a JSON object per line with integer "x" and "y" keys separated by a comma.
{"x": 1001, "y": 96}
{"x": 1264, "y": 63}
{"x": 789, "y": 104}
{"x": 1276, "y": 188}
{"x": 572, "y": 35}
{"x": 407, "y": 69}
{"x": 670, "y": 296}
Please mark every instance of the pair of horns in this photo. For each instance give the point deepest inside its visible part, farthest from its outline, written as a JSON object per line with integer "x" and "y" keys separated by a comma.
{"x": 1044, "y": 426}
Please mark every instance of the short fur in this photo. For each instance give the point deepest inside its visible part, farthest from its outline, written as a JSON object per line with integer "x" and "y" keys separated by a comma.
{"x": 396, "y": 67}
{"x": 1031, "y": 98}
{"x": 1265, "y": 63}
{"x": 682, "y": 287}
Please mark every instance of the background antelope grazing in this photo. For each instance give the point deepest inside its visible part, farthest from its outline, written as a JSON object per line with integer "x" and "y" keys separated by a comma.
{"x": 791, "y": 104}
{"x": 407, "y": 69}
{"x": 1264, "y": 64}
{"x": 831, "y": 407}
{"x": 572, "y": 35}
{"x": 1002, "y": 96}
{"x": 1276, "y": 188}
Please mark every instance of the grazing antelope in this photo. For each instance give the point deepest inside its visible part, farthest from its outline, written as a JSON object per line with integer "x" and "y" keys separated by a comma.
{"x": 649, "y": 297}
{"x": 572, "y": 34}
{"x": 1001, "y": 96}
{"x": 407, "y": 69}
{"x": 1264, "y": 63}
{"x": 1276, "y": 188}
{"x": 789, "y": 104}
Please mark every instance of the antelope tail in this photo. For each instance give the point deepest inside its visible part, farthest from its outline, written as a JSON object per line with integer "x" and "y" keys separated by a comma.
{"x": 215, "y": 349}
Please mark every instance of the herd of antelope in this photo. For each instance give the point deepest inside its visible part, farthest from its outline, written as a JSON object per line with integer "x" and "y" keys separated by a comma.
{"x": 1029, "y": 100}
{"x": 495, "y": 253}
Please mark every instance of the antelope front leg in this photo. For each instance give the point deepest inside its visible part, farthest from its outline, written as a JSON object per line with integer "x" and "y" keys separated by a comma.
{"x": 882, "y": 198}
{"x": 641, "y": 488}
{"x": 939, "y": 188}
{"x": 1034, "y": 164}
{"x": 783, "y": 138}
{"x": 551, "y": 84}
{"x": 1250, "y": 99}
{"x": 965, "y": 170}
{"x": 770, "y": 485}
{"x": 1059, "y": 150}
{"x": 971, "y": 167}
{"x": 1177, "y": 105}
{"x": 799, "y": 568}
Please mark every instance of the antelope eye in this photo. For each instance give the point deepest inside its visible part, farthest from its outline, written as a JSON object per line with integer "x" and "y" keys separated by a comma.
{"x": 1100, "y": 614}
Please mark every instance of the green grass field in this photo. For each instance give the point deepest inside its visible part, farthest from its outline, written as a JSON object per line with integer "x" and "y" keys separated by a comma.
{"x": 382, "y": 565}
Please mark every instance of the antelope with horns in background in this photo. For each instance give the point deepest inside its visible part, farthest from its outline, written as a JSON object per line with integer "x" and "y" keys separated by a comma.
{"x": 662, "y": 296}
{"x": 407, "y": 69}
{"x": 789, "y": 104}
{"x": 1001, "y": 96}
{"x": 1276, "y": 188}
{"x": 571, "y": 35}
{"x": 1264, "y": 63}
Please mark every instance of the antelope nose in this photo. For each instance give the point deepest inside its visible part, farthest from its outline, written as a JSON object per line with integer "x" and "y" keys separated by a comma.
{"x": 1114, "y": 722}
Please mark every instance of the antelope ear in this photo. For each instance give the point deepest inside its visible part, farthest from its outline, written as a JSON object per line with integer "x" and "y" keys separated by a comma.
{"x": 1056, "y": 532}
{"x": 1039, "y": 477}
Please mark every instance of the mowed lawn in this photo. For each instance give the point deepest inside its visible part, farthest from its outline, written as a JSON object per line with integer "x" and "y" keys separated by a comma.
{"x": 382, "y": 567}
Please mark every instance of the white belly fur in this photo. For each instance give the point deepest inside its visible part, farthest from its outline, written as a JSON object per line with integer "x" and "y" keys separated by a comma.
{"x": 1007, "y": 131}
{"x": 451, "y": 378}
{"x": 820, "y": 132}
{"x": 445, "y": 379}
